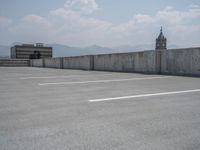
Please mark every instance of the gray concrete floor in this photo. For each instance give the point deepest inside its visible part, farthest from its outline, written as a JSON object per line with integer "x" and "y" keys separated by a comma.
{"x": 59, "y": 116}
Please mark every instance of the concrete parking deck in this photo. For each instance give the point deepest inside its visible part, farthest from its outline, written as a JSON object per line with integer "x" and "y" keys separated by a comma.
{"x": 50, "y": 109}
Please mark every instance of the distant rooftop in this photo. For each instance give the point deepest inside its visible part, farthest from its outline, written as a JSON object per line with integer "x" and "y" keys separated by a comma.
{"x": 32, "y": 45}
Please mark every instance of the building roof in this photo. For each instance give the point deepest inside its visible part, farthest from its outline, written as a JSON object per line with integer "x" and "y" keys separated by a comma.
{"x": 161, "y": 36}
{"x": 32, "y": 46}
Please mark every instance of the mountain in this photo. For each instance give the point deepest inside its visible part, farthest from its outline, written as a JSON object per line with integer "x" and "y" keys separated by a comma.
{"x": 4, "y": 51}
{"x": 63, "y": 50}
{"x": 173, "y": 46}
{"x": 129, "y": 48}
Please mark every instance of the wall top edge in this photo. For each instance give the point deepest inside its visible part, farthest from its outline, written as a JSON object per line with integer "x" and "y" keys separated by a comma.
{"x": 187, "y": 48}
{"x": 12, "y": 59}
{"x": 145, "y": 51}
{"x": 35, "y": 47}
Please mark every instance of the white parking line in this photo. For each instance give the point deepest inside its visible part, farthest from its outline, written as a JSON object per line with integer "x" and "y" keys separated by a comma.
{"x": 54, "y": 77}
{"x": 144, "y": 95}
{"x": 23, "y": 74}
{"x": 101, "y": 81}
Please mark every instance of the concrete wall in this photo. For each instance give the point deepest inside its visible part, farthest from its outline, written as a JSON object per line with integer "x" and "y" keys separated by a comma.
{"x": 143, "y": 62}
{"x": 36, "y": 62}
{"x": 79, "y": 62}
{"x": 181, "y": 62}
{"x": 176, "y": 62}
{"x": 53, "y": 63}
{"x": 14, "y": 62}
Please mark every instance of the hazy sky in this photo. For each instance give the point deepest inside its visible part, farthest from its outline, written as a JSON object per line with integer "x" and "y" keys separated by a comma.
{"x": 102, "y": 22}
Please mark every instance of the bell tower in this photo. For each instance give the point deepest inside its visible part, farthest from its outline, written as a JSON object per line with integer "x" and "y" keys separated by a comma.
{"x": 161, "y": 41}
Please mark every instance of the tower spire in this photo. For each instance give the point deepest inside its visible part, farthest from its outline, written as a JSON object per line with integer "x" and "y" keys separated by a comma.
{"x": 161, "y": 41}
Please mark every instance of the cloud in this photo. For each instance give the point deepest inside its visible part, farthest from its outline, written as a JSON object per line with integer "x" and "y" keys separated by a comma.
{"x": 35, "y": 19}
{"x": 194, "y": 6}
{"x": 5, "y": 22}
{"x": 142, "y": 18}
{"x": 172, "y": 16}
{"x": 177, "y": 24}
{"x": 82, "y": 6}
{"x": 79, "y": 29}
{"x": 73, "y": 24}
{"x": 32, "y": 28}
